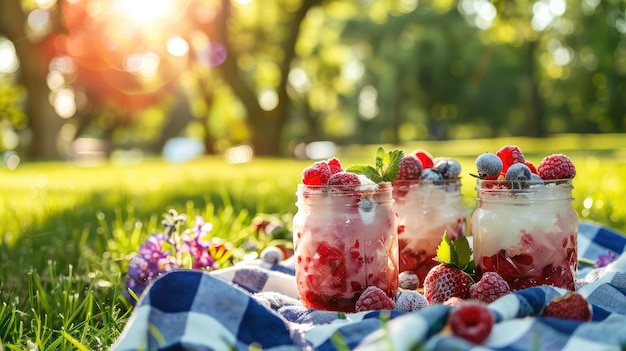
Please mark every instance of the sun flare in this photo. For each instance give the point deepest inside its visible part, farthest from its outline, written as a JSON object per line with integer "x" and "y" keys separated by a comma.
{"x": 145, "y": 10}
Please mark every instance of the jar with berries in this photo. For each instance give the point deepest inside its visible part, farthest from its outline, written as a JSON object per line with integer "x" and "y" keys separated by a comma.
{"x": 428, "y": 202}
{"x": 345, "y": 238}
{"x": 524, "y": 227}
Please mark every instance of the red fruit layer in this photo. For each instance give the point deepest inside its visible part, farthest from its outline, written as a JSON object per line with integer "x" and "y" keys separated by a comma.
{"x": 511, "y": 269}
{"x": 339, "y": 254}
{"x": 422, "y": 260}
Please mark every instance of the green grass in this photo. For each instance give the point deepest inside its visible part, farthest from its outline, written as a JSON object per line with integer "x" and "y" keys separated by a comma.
{"x": 68, "y": 232}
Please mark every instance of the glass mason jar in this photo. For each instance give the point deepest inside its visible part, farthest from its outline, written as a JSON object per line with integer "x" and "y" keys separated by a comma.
{"x": 528, "y": 234}
{"x": 344, "y": 241}
{"x": 425, "y": 211}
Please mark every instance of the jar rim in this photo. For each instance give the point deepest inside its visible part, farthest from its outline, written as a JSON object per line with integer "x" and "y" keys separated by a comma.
{"x": 382, "y": 191}
{"x": 522, "y": 185}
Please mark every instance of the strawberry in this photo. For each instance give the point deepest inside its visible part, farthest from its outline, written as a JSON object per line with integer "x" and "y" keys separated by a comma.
{"x": 449, "y": 278}
{"x": 316, "y": 174}
{"x": 489, "y": 288}
{"x": 572, "y": 305}
{"x": 556, "y": 166}
{"x": 374, "y": 298}
{"x": 344, "y": 181}
{"x": 425, "y": 158}
{"x": 510, "y": 154}
{"x": 410, "y": 168}
{"x": 334, "y": 165}
{"x": 471, "y": 321}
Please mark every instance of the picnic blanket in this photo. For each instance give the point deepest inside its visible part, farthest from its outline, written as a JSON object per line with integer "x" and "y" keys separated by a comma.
{"x": 254, "y": 305}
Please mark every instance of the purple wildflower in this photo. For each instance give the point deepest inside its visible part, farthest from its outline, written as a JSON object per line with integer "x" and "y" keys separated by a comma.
{"x": 604, "y": 260}
{"x": 195, "y": 244}
{"x": 153, "y": 260}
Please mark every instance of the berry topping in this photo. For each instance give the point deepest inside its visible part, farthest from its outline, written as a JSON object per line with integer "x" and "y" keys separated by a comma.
{"x": 430, "y": 176}
{"x": 408, "y": 280}
{"x": 344, "y": 181}
{"x": 518, "y": 176}
{"x": 449, "y": 278}
{"x": 488, "y": 165}
{"x": 410, "y": 168}
{"x": 425, "y": 158}
{"x": 510, "y": 154}
{"x": 374, "y": 298}
{"x": 471, "y": 321}
{"x": 531, "y": 166}
{"x": 489, "y": 288}
{"x": 556, "y": 166}
{"x": 447, "y": 167}
{"x": 334, "y": 165}
{"x": 410, "y": 300}
{"x": 572, "y": 305}
{"x": 316, "y": 174}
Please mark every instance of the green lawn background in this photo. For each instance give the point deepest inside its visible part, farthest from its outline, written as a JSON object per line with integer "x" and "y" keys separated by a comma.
{"x": 68, "y": 231}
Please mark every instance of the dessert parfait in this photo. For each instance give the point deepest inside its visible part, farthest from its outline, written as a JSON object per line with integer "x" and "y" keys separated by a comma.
{"x": 345, "y": 234}
{"x": 524, "y": 226}
{"x": 428, "y": 202}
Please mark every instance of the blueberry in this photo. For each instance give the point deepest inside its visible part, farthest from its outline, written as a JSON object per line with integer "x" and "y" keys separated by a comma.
{"x": 488, "y": 164}
{"x": 430, "y": 176}
{"x": 447, "y": 167}
{"x": 518, "y": 176}
{"x": 535, "y": 179}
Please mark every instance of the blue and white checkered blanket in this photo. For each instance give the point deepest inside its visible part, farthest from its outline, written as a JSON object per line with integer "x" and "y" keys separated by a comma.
{"x": 255, "y": 306}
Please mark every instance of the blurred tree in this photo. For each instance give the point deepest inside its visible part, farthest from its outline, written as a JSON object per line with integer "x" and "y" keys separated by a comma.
{"x": 43, "y": 122}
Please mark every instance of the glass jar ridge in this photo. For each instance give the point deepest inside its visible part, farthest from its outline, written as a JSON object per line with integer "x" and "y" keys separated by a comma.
{"x": 425, "y": 212}
{"x": 344, "y": 241}
{"x": 527, "y": 234}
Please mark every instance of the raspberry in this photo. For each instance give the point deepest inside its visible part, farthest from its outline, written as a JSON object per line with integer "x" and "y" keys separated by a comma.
{"x": 374, "y": 298}
{"x": 410, "y": 168}
{"x": 572, "y": 305}
{"x": 408, "y": 280}
{"x": 344, "y": 181}
{"x": 444, "y": 281}
{"x": 518, "y": 176}
{"x": 556, "y": 166}
{"x": 489, "y": 288}
{"x": 447, "y": 167}
{"x": 471, "y": 321}
{"x": 316, "y": 174}
{"x": 334, "y": 165}
{"x": 425, "y": 158}
{"x": 488, "y": 165}
{"x": 410, "y": 300}
{"x": 510, "y": 154}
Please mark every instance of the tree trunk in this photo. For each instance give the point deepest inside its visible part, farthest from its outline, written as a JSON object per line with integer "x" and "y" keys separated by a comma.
{"x": 43, "y": 121}
{"x": 267, "y": 126}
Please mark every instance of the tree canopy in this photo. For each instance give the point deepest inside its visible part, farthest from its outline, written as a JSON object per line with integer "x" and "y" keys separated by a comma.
{"x": 274, "y": 73}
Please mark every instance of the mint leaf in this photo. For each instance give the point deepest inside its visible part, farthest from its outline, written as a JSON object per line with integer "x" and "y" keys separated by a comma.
{"x": 445, "y": 250}
{"x": 381, "y": 159}
{"x": 393, "y": 166}
{"x": 367, "y": 171}
{"x": 463, "y": 252}
{"x": 456, "y": 253}
{"x": 386, "y": 166}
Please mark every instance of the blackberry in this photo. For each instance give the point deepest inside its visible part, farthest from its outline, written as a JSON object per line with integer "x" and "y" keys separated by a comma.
{"x": 488, "y": 165}
{"x": 518, "y": 176}
{"x": 431, "y": 176}
{"x": 447, "y": 167}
